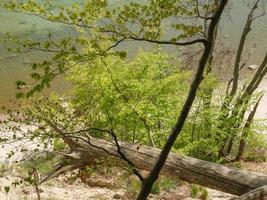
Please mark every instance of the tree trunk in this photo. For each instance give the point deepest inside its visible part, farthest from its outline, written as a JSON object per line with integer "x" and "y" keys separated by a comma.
{"x": 247, "y": 125}
{"x": 219, "y": 177}
{"x": 259, "y": 193}
{"x": 147, "y": 184}
{"x": 241, "y": 150}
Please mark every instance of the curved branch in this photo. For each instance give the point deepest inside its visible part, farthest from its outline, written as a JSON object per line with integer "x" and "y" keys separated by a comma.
{"x": 203, "y": 41}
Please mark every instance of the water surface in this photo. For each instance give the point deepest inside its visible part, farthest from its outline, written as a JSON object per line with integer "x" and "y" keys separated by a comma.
{"x": 14, "y": 67}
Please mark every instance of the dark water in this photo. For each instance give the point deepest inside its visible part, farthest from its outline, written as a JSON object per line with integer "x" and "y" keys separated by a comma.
{"x": 14, "y": 67}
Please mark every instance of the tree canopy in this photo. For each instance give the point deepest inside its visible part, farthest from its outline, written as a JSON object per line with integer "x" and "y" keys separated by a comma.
{"x": 144, "y": 98}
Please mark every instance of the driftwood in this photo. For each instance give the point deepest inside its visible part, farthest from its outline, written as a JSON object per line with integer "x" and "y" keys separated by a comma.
{"x": 258, "y": 193}
{"x": 215, "y": 176}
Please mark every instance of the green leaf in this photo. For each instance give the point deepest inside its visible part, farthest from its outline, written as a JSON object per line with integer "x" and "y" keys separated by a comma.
{"x": 20, "y": 95}
{"x": 20, "y": 84}
{"x": 46, "y": 44}
{"x": 34, "y": 66}
{"x": 7, "y": 189}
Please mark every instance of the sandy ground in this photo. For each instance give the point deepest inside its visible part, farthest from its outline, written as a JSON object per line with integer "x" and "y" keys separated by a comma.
{"x": 60, "y": 190}
{"x": 56, "y": 190}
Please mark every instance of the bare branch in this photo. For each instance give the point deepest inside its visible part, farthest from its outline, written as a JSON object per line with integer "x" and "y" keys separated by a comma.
{"x": 123, "y": 156}
{"x": 114, "y": 45}
{"x": 240, "y": 49}
{"x": 203, "y": 41}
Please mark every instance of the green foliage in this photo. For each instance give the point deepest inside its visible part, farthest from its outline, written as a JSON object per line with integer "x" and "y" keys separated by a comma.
{"x": 3, "y": 170}
{"x": 205, "y": 194}
{"x": 42, "y": 164}
{"x": 156, "y": 188}
{"x": 194, "y": 190}
{"x": 167, "y": 184}
{"x": 7, "y": 189}
{"x": 256, "y": 143}
{"x": 163, "y": 183}
{"x": 199, "y": 136}
{"x": 199, "y": 192}
{"x": 133, "y": 187}
{"x": 138, "y": 99}
{"x": 58, "y": 144}
{"x": 97, "y": 29}
{"x": 133, "y": 98}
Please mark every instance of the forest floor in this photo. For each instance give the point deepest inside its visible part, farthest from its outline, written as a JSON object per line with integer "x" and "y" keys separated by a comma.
{"x": 108, "y": 184}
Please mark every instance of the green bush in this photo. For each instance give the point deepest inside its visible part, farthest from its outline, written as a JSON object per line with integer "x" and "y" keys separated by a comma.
{"x": 194, "y": 190}
{"x": 204, "y": 194}
{"x": 156, "y": 188}
{"x": 43, "y": 164}
{"x": 167, "y": 184}
{"x": 199, "y": 192}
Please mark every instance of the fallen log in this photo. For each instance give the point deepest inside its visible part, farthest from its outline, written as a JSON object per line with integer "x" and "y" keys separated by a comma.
{"x": 211, "y": 175}
{"x": 256, "y": 194}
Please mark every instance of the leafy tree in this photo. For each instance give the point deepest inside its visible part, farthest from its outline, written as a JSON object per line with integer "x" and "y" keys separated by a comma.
{"x": 131, "y": 97}
{"x": 100, "y": 27}
{"x": 110, "y": 92}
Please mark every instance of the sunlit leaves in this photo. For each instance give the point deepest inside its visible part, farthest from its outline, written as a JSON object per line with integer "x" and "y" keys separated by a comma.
{"x": 20, "y": 84}
{"x": 153, "y": 20}
{"x": 97, "y": 27}
{"x": 130, "y": 97}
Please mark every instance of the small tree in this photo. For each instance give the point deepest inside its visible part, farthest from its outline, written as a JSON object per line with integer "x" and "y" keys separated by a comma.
{"x": 100, "y": 31}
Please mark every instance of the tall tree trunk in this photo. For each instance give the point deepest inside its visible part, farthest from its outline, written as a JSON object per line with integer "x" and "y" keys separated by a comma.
{"x": 225, "y": 109}
{"x": 154, "y": 173}
{"x": 242, "y": 142}
{"x": 241, "y": 105}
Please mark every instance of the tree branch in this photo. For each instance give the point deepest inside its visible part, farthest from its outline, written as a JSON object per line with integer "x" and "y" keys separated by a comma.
{"x": 240, "y": 49}
{"x": 203, "y": 41}
{"x": 152, "y": 177}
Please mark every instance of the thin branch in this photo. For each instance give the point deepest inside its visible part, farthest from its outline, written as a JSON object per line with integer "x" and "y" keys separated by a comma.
{"x": 125, "y": 98}
{"x": 228, "y": 86}
{"x": 123, "y": 156}
{"x": 111, "y": 133}
{"x": 248, "y": 57}
{"x": 240, "y": 49}
{"x": 114, "y": 45}
{"x": 83, "y": 25}
{"x": 198, "y": 12}
{"x": 203, "y": 41}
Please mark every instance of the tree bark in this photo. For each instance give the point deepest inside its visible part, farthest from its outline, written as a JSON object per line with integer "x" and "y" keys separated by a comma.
{"x": 148, "y": 182}
{"x": 229, "y": 180}
{"x": 246, "y": 128}
{"x": 242, "y": 98}
{"x": 259, "y": 193}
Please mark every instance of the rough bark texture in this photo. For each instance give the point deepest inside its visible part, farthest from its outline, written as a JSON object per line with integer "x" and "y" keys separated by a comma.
{"x": 257, "y": 194}
{"x": 229, "y": 180}
{"x": 156, "y": 169}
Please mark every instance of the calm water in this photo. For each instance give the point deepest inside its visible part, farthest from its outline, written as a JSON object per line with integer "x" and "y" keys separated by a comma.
{"x": 14, "y": 67}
